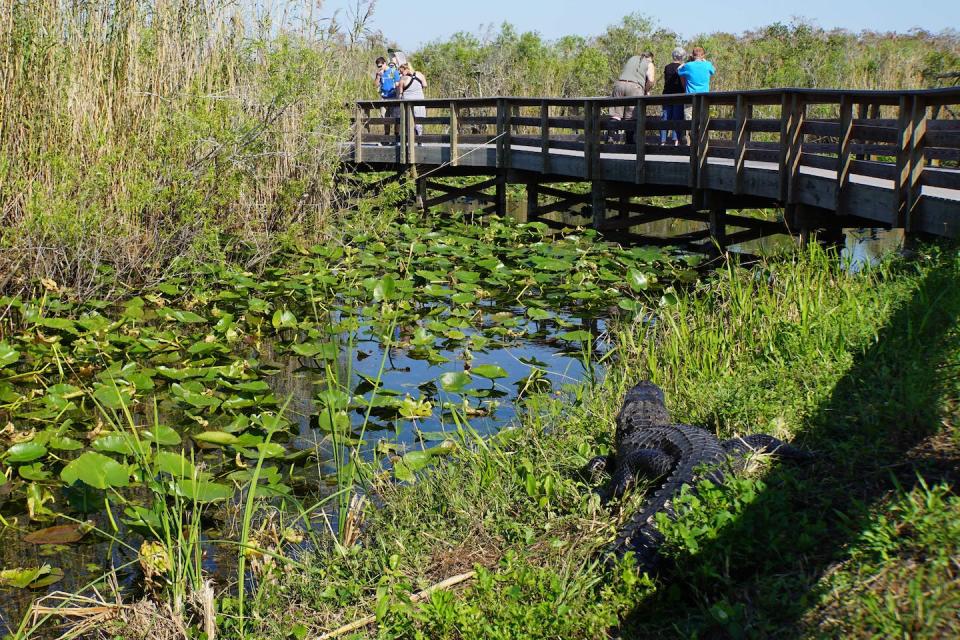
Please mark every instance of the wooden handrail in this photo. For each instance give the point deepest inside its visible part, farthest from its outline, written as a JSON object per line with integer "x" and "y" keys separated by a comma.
{"x": 897, "y": 136}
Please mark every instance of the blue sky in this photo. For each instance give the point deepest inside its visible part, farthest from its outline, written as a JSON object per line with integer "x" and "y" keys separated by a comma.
{"x": 413, "y": 22}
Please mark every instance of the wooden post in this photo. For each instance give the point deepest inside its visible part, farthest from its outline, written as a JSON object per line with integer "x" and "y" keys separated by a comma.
{"x": 703, "y": 141}
{"x": 509, "y": 112}
{"x": 533, "y": 200}
{"x": 740, "y": 137}
{"x": 598, "y": 201}
{"x": 501, "y": 133}
{"x": 411, "y": 135}
{"x": 786, "y": 120}
{"x": 421, "y": 193}
{"x": 874, "y": 115}
{"x": 843, "y": 154}
{"x": 589, "y": 139}
{"x": 694, "y": 139}
{"x": 918, "y": 130}
{"x": 454, "y": 134}
{"x": 640, "y": 137}
{"x": 358, "y": 135}
{"x": 501, "y": 193}
{"x": 403, "y": 134}
{"x": 545, "y": 136}
{"x": 718, "y": 226}
{"x": 798, "y": 111}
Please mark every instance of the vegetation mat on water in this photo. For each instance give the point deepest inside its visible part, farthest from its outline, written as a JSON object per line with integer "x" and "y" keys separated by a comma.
{"x": 857, "y": 367}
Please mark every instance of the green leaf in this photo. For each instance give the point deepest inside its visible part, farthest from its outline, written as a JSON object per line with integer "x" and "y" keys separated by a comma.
{"x": 489, "y": 371}
{"x": 25, "y": 452}
{"x": 112, "y": 396}
{"x": 535, "y": 313}
{"x": 162, "y": 435}
{"x": 284, "y": 319}
{"x": 575, "y": 336}
{"x": 96, "y": 470}
{"x": 463, "y": 298}
{"x": 114, "y": 443}
{"x": 326, "y": 350}
{"x": 8, "y": 355}
{"x": 22, "y": 578}
{"x": 184, "y": 317}
{"x": 271, "y": 450}
{"x": 221, "y": 438}
{"x": 33, "y": 472}
{"x": 175, "y": 464}
{"x": 454, "y": 381}
{"x": 384, "y": 289}
{"x": 64, "y": 443}
{"x": 202, "y": 490}
{"x": 638, "y": 280}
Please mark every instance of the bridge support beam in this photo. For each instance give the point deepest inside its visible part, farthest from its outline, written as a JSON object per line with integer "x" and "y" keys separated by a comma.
{"x": 718, "y": 227}
{"x": 598, "y": 201}
{"x": 500, "y": 202}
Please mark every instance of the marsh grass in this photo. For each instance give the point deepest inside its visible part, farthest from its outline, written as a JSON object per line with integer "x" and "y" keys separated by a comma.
{"x": 141, "y": 138}
{"x": 852, "y": 366}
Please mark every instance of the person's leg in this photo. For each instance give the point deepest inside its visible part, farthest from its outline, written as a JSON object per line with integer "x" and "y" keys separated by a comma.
{"x": 665, "y": 112}
{"x": 419, "y": 112}
{"x": 676, "y": 113}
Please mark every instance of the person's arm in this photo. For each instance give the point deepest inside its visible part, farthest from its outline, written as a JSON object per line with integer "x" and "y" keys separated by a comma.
{"x": 651, "y": 78}
{"x": 423, "y": 79}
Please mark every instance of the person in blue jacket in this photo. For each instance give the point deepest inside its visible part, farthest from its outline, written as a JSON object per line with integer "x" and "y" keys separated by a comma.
{"x": 697, "y": 73}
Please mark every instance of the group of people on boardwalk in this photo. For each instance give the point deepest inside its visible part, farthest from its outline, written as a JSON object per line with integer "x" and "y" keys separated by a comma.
{"x": 397, "y": 79}
{"x": 683, "y": 75}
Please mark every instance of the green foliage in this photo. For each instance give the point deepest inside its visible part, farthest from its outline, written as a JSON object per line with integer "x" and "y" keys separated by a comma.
{"x": 796, "y": 54}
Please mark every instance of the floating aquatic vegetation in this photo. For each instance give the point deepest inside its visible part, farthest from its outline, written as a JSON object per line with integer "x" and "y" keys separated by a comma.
{"x": 463, "y": 319}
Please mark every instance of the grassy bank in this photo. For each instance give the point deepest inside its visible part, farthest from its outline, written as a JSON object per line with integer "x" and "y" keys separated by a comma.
{"x": 859, "y": 368}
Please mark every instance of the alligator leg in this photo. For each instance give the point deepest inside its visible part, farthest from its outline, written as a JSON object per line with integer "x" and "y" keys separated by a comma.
{"x": 762, "y": 443}
{"x": 650, "y": 463}
{"x": 595, "y": 469}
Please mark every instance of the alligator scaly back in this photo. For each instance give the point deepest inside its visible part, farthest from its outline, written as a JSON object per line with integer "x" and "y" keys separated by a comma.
{"x": 648, "y": 444}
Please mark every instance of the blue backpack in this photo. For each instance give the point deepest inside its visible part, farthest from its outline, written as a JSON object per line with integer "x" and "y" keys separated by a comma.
{"x": 389, "y": 81}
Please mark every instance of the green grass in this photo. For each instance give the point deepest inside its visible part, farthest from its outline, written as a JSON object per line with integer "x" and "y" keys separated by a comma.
{"x": 859, "y": 368}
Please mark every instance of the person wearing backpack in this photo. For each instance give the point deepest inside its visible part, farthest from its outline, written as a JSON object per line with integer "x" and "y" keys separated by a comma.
{"x": 388, "y": 80}
{"x": 411, "y": 88}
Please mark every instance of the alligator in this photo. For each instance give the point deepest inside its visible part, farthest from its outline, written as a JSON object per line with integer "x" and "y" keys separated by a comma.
{"x": 648, "y": 444}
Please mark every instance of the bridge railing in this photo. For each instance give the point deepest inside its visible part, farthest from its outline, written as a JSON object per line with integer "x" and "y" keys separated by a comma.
{"x": 910, "y": 139}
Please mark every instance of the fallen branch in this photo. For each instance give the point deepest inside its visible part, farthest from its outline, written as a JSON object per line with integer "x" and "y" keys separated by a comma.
{"x": 417, "y": 597}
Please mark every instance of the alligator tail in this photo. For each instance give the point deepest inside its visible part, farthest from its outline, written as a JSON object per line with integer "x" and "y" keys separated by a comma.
{"x": 640, "y": 535}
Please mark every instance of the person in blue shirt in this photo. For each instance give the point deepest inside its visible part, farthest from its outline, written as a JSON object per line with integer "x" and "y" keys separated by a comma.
{"x": 696, "y": 73}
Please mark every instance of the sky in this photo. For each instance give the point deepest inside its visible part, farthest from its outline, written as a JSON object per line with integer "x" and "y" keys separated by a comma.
{"x": 411, "y": 23}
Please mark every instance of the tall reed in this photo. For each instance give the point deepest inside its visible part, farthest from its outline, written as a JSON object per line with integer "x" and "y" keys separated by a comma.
{"x": 138, "y": 136}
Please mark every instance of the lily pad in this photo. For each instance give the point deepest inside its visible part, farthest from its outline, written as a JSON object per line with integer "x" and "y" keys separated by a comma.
{"x": 26, "y": 452}
{"x": 23, "y": 578}
{"x": 162, "y": 435}
{"x": 60, "y": 534}
{"x": 96, "y": 470}
{"x": 221, "y": 438}
{"x": 202, "y": 490}
{"x": 454, "y": 381}
{"x": 8, "y": 355}
{"x": 489, "y": 371}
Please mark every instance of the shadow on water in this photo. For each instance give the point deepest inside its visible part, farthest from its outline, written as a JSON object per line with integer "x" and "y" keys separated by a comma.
{"x": 762, "y": 571}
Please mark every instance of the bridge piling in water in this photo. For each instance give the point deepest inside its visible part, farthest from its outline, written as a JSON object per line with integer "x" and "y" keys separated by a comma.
{"x": 821, "y": 159}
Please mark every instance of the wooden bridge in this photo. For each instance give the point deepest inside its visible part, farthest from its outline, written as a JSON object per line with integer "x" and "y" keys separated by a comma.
{"x": 822, "y": 159}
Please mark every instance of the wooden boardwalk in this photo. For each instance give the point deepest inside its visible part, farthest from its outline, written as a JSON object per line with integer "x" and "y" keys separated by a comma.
{"x": 823, "y": 159}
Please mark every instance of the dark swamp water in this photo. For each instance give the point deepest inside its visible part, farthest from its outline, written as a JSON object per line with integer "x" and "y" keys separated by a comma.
{"x": 382, "y": 346}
